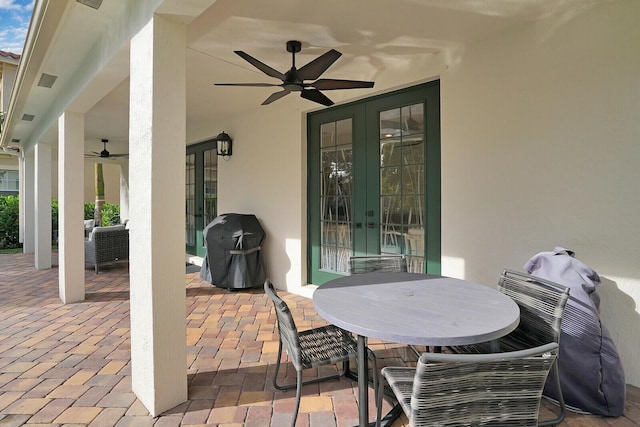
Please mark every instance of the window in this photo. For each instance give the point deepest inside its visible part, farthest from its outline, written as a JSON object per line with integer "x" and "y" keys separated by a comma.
{"x": 9, "y": 181}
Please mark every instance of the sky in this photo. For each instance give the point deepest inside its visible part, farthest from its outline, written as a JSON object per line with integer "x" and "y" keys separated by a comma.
{"x": 14, "y": 23}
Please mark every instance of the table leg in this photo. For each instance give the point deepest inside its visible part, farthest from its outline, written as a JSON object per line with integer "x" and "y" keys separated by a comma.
{"x": 363, "y": 391}
{"x": 363, "y": 383}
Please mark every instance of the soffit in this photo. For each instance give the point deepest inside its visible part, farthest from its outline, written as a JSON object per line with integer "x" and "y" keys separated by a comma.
{"x": 373, "y": 35}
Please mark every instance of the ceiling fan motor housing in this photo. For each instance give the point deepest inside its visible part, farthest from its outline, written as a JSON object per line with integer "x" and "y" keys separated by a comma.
{"x": 294, "y": 46}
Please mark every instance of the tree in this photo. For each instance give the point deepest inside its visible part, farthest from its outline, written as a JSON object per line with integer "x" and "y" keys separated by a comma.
{"x": 97, "y": 216}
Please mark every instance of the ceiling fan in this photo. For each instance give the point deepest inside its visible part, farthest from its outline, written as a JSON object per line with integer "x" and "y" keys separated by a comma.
{"x": 293, "y": 80}
{"x": 104, "y": 154}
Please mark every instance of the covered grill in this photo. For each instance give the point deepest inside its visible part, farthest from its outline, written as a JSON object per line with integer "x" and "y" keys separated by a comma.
{"x": 234, "y": 258}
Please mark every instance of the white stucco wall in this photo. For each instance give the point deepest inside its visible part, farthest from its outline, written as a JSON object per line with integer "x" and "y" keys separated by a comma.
{"x": 8, "y": 162}
{"x": 539, "y": 149}
{"x": 270, "y": 183}
{"x": 7, "y": 77}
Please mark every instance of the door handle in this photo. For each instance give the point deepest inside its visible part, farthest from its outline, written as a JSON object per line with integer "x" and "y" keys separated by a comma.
{"x": 358, "y": 225}
{"x": 371, "y": 225}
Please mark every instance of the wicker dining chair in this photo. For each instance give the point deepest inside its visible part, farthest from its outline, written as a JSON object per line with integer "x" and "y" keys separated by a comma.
{"x": 499, "y": 389}
{"x": 374, "y": 263}
{"x": 542, "y": 305}
{"x": 380, "y": 263}
{"x": 310, "y": 348}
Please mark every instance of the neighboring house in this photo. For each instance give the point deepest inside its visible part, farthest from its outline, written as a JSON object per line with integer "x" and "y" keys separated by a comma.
{"x": 8, "y": 67}
{"x": 495, "y": 130}
{"x": 9, "y": 174}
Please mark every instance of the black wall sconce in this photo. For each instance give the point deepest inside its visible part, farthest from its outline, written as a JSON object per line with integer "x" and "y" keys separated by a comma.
{"x": 224, "y": 145}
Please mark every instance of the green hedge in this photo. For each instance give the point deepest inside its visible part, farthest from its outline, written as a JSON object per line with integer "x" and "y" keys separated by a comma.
{"x": 9, "y": 225}
{"x": 110, "y": 214}
{"x": 89, "y": 207}
{"x": 9, "y": 211}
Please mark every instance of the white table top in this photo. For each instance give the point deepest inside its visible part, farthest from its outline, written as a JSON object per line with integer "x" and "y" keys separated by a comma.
{"x": 416, "y": 309}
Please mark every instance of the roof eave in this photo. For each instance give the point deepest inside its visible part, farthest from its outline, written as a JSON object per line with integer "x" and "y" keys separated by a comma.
{"x": 39, "y": 37}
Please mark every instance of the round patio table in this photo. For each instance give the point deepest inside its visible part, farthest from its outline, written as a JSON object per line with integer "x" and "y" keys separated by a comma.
{"x": 415, "y": 309}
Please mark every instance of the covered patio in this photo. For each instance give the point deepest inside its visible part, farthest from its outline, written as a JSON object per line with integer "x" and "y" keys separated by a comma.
{"x": 527, "y": 141}
{"x": 70, "y": 363}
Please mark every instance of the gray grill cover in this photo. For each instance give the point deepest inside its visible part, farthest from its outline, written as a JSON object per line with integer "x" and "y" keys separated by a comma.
{"x": 591, "y": 374}
{"x": 234, "y": 258}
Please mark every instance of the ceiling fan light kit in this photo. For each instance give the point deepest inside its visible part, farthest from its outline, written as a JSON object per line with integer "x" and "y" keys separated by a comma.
{"x": 294, "y": 79}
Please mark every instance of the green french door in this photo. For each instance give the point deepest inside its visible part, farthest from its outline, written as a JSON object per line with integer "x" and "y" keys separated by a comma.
{"x": 374, "y": 181}
{"x": 201, "y": 193}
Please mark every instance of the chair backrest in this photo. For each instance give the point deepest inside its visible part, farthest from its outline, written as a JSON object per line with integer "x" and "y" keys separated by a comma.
{"x": 499, "y": 389}
{"x": 286, "y": 326}
{"x": 542, "y": 305}
{"x": 373, "y": 263}
{"x": 109, "y": 243}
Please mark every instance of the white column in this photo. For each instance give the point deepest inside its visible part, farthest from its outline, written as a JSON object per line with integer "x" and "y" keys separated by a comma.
{"x": 157, "y": 133}
{"x": 71, "y": 207}
{"x": 42, "y": 189}
{"x": 21, "y": 199}
{"x": 28, "y": 204}
{"x": 124, "y": 191}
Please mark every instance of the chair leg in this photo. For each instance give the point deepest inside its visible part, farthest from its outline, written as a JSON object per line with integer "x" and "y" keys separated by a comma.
{"x": 286, "y": 387}
{"x": 275, "y": 374}
{"x": 378, "y": 391}
{"x": 298, "y": 396}
{"x": 415, "y": 350}
{"x": 563, "y": 408}
{"x": 379, "y": 394}
{"x": 418, "y": 353}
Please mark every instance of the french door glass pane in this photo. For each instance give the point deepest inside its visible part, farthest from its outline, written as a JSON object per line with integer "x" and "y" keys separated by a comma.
{"x": 190, "y": 199}
{"x": 401, "y": 184}
{"x": 336, "y": 194}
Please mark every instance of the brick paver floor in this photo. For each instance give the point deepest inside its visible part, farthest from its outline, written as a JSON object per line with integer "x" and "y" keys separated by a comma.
{"x": 70, "y": 364}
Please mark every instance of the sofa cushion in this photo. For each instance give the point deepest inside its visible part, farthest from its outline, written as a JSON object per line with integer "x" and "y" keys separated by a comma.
{"x": 105, "y": 229}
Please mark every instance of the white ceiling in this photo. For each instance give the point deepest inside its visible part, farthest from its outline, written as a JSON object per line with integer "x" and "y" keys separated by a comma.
{"x": 372, "y": 35}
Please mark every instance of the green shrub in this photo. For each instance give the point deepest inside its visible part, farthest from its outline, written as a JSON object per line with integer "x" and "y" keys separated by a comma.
{"x": 9, "y": 211}
{"x": 110, "y": 214}
{"x": 54, "y": 214}
{"x": 9, "y": 224}
{"x": 89, "y": 207}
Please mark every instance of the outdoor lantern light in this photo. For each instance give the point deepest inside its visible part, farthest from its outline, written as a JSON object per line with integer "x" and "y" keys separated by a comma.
{"x": 224, "y": 145}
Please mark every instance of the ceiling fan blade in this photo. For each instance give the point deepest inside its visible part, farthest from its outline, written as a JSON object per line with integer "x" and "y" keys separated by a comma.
{"x": 96, "y": 153}
{"x": 249, "y": 84}
{"x": 333, "y": 84}
{"x": 118, "y": 155}
{"x": 315, "y": 68}
{"x": 316, "y": 96}
{"x": 260, "y": 65}
{"x": 275, "y": 96}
